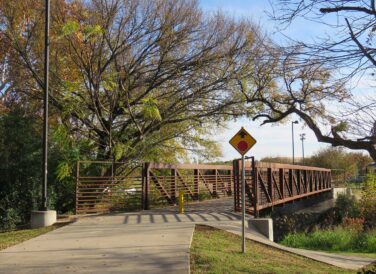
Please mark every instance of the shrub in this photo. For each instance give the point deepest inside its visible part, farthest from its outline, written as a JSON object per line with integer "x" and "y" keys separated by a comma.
{"x": 353, "y": 224}
{"x": 368, "y": 201}
{"x": 369, "y": 269}
{"x": 347, "y": 206}
{"x": 338, "y": 239}
{"x": 9, "y": 218}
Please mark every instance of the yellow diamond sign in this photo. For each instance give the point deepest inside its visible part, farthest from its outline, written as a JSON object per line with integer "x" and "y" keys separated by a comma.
{"x": 242, "y": 141}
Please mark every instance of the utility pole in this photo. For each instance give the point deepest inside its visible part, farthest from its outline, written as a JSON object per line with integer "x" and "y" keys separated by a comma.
{"x": 45, "y": 111}
{"x": 302, "y": 138}
{"x": 293, "y": 143}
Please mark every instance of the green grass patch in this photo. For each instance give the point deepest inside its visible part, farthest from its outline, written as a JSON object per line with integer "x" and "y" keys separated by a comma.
{"x": 337, "y": 239}
{"x": 217, "y": 251}
{"x": 355, "y": 254}
{"x": 8, "y": 239}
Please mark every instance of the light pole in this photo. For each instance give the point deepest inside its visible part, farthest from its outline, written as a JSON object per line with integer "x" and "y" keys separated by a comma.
{"x": 302, "y": 138}
{"x": 45, "y": 111}
{"x": 44, "y": 217}
{"x": 292, "y": 135}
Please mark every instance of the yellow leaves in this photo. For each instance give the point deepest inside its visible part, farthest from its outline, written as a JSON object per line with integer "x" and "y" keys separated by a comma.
{"x": 150, "y": 109}
{"x": 81, "y": 32}
{"x": 118, "y": 151}
{"x": 70, "y": 28}
{"x": 109, "y": 85}
{"x": 342, "y": 126}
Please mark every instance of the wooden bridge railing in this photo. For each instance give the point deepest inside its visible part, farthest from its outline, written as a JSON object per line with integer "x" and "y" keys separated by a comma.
{"x": 275, "y": 184}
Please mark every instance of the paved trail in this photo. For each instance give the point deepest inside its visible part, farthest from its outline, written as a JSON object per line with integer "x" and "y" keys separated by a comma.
{"x": 155, "y": 241}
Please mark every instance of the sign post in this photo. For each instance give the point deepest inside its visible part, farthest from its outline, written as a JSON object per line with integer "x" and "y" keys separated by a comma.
{"x": 243, "y": 142}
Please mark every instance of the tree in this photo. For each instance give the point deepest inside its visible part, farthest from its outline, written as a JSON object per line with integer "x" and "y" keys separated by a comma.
{"x": 307, "y": 74}
{"x": 336, "y": 158}
{"x": 132, "y": 76}
{"x": 20, "y": 170}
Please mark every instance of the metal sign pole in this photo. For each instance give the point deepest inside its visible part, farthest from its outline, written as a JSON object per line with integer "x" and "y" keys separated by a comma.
{"x": 242, "y": 142}
{"x": 243, "y": 205}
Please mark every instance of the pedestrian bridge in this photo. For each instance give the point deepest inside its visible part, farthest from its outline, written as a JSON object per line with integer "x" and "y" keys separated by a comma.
{"x": 111, "y": 186}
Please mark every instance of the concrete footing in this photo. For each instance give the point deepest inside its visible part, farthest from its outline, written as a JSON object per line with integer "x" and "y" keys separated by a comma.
{"x": 264, "y": 226}
{"x": 43, "y": 218}
{"x": 341, "y": 191}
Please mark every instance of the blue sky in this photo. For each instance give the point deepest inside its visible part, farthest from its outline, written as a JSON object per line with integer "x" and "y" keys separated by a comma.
{"x": 272, "y": 140}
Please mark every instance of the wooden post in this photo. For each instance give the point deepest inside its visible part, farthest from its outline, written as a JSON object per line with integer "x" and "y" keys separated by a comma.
{"x": 77, "y": 183}
{"x": 195, "y": 184}
{"x": 330, "y": 179}
{"x": 291, "y": 182}
{"x": 255, "y": 188}
{"x": 173, "y": 185}
{"x": 270, "y": 184}
{"x": 215, "y": 190}
{"x": 299, "y": 179}
{"x": 281, "y": 184}
{"x": 145, "y": 186}
{"x": 315, "y": 180}
{"x": 230, "y": 184}
{"x": 319, "y": 179}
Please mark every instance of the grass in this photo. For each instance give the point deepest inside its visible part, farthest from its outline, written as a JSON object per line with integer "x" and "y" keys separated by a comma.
{"x": 355, "y": 254}
{"x": 8, "y": 239}
{"x": 332, "y": 240}
{"x": 217, "y": 251}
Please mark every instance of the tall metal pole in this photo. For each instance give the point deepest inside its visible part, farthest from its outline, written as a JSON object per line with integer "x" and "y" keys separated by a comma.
{"x": 302, "y": 137}
{"x": 45, "y": 112}
{"x": 243, "y": 205}
{"x": 293, "y": 143}
{"x": 293, "y": 152}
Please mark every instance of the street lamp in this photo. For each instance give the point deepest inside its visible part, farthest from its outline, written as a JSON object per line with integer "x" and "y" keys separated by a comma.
{"x": 302, "y": 138}
{"x": 292, "y": 134}
{"x": 44, "y": 217}
{"x": 45, "y": 111}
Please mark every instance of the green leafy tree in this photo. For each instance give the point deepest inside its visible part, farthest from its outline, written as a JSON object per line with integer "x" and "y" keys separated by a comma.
{"x": 20, "y": 167}
{"x": 130, "y": 76}
{"x": 368, "y": 201}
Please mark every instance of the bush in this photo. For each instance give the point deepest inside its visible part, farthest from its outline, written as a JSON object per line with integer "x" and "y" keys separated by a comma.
{"x": 368, "y": 201}
{"x": 338, "y": 239}
{"x": 347, "y": 206}
{"x": 353, "y": 224}
{"x": 369, "y": 269}
{"x": 9, "y": 218}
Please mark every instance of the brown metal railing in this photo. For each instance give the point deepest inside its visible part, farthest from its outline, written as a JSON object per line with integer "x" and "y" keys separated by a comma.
{"x": 275, "y": 184}
{"x": 162, "y": 182}
{"x": 105, "y": 186}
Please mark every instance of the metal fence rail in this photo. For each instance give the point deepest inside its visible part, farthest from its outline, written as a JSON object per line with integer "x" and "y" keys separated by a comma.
{"x": 105, "y": 186}
{"x": 275, "y": 184}
{"x": 162, "y": 182}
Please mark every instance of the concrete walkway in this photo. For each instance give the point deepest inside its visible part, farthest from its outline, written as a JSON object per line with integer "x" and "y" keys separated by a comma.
{"x": 148, "y": 242}
{"x": 156, "y": 241}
